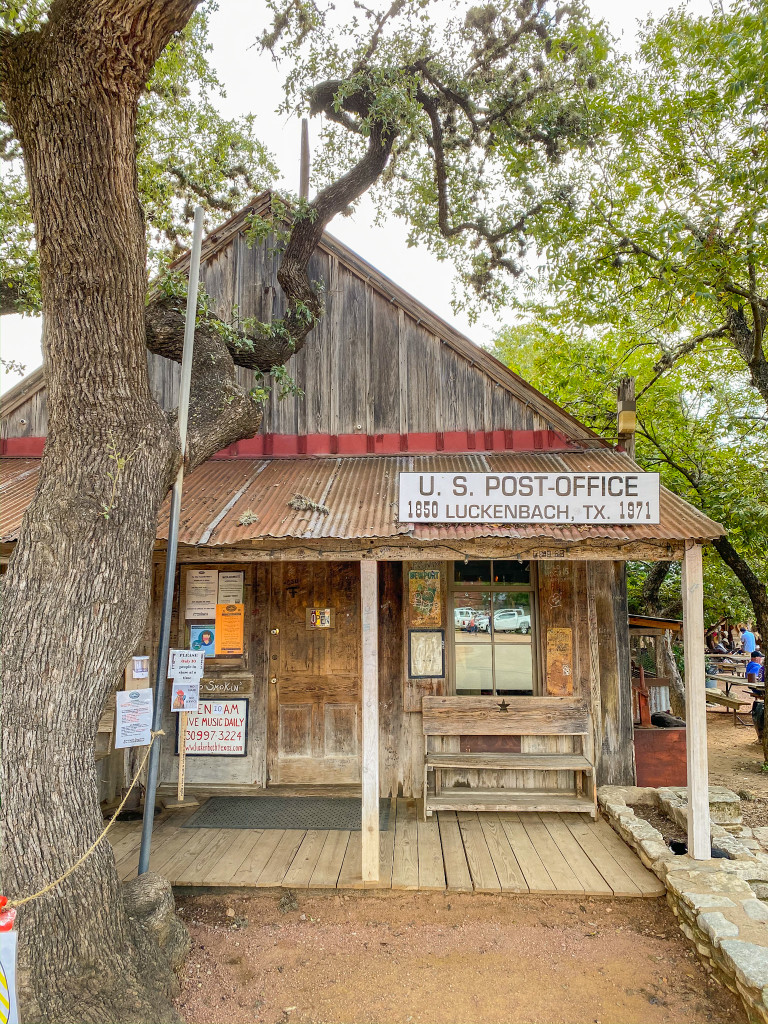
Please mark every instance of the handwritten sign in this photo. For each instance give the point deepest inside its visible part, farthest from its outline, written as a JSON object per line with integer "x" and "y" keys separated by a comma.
{"x": 217, "y": 729}
{"x": 230, "y": 620}
{"x": 133, "y": 718}
{"x": 224, "y": 687}
{"x": 185, "y": 666}
{"x": 560, "y": 661}
{"x": 202, "y": 592}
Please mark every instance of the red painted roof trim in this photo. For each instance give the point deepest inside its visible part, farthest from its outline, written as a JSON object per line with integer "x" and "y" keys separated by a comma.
{"x": 288, "y": 446}
{"x": 22, "y": 447}
{"x": 291, "y": 446}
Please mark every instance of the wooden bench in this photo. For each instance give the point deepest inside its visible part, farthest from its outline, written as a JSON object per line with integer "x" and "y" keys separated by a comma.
{"x": 734, "y": 704}
{"x": 508, "y": 716}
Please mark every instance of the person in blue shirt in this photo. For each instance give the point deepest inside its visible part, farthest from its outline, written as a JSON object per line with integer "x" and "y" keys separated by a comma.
{"x": 748, "y": 642}
{"x": 755, "y": 672}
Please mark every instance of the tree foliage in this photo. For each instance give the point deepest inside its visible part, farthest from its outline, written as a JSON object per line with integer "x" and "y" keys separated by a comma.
{"x": 484, "y": 105}
{"x": 700, "y": 427}
{"x": 187, "y": 154}
{"x": 666, "y": 233}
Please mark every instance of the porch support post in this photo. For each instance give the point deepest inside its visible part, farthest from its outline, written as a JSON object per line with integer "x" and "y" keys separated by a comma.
{"x": 699, "y": 842}
{"x": 369, "y": 595}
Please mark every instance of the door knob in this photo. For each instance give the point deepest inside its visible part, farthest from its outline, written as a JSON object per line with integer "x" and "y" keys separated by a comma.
{"x": 273, "y": 680}
{"x": 274, "y": 632}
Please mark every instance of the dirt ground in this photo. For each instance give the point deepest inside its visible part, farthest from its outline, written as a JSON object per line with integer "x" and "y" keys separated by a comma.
{"x": 735, "y": 761}
{"x": 441, "y": 958}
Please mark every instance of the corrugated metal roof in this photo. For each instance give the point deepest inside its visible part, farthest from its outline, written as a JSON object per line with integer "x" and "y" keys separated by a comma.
{"x": 18, "y": 479}
{"x": 361, "y": 497}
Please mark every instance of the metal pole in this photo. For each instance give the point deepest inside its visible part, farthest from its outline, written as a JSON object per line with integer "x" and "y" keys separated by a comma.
{"x": 173, "y": 543}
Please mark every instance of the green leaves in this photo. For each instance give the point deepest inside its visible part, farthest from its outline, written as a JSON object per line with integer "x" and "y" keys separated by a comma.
{"x": 487, "y": 103}
{"x": 187, "y": 153}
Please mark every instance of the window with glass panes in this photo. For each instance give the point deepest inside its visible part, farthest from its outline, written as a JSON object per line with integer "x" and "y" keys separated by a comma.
{"x": 493, "y": 628}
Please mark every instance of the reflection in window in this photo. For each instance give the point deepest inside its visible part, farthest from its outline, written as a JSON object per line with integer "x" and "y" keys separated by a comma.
{"x": 493, "y": 629}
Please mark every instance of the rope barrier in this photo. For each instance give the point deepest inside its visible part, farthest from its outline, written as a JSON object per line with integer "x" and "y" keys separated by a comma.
{"x": 52, "y": 885}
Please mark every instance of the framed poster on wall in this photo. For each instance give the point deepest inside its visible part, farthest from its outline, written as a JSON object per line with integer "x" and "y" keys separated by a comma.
{"x": 424, "y": 598}
{"x": 426, "y": 653}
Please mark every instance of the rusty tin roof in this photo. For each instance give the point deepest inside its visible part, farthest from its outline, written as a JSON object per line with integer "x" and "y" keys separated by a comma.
{"x": 240, "y": 501}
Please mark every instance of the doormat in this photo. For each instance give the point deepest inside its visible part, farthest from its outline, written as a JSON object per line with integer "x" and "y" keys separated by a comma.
{"x": 279, "y": 812}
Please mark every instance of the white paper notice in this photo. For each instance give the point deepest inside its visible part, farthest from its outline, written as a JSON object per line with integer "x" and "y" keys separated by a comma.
{"x": 140, "y": 667}
{"x": 202, "y": 592}
{"x": 231, "y": 587}
{"x": 186, "y": 666}
{"x": 133, "y": 718}
{"x": 185, "y": 696}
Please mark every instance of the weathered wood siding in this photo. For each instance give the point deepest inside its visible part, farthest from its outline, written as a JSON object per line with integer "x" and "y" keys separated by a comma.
{"x": 29, "y": 419}
{"x": 610, "y": 667}
{"x": 367, "y": 368}
{"x": 401, "y": 739}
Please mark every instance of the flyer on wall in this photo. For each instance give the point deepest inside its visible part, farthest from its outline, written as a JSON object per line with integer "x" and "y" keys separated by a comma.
{"x": 231, "y": 587}
{"x": 185, "y": 696}
{"x": 202, "y": 638}
{"x": 133, "y": 718}
{"x": 202, "y": 591}
{"x": 229, "y": 628}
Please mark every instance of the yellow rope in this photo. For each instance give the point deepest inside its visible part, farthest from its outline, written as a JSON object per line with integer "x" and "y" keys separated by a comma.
{"x": 92, "y": 847}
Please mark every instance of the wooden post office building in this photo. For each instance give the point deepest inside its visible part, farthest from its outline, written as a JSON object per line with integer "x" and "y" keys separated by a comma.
{"x": 424, "y": 613}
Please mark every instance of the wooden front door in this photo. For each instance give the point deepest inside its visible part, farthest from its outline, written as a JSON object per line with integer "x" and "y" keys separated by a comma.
{"x": 314, "y": 727}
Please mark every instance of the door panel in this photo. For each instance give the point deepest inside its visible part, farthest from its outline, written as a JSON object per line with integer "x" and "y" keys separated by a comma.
{"x": 314, "y": 699}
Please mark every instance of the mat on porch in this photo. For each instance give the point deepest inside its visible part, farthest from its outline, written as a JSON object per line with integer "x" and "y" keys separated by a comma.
{"x": 278, "y": 812}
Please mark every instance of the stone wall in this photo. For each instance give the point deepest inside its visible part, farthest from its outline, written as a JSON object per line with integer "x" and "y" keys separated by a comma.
{"x": 715, "y": 901}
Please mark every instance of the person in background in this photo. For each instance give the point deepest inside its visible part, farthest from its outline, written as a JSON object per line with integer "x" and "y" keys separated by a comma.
{"x": 748, "y": 642}
{"x": 755, "y": 672}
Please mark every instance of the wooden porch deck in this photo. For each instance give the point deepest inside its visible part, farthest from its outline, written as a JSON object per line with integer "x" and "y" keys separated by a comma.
{"x": 461, "y": 852}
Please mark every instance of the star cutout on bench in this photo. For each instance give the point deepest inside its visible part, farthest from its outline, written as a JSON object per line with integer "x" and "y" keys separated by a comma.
{"x": 503, "y": 706}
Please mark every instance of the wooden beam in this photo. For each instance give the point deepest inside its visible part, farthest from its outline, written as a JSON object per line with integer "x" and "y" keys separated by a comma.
{"x": 410, "y": 549}
{"x": 369, "y": 593}
{"x": 699, "y": 843}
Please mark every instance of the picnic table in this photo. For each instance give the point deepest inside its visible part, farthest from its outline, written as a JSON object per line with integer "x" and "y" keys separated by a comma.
{"x": 735, "y": 704}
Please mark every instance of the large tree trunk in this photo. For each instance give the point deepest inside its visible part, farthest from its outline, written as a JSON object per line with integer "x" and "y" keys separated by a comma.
{"x": 670, "y": 670}
{"x": 77, "y": 588}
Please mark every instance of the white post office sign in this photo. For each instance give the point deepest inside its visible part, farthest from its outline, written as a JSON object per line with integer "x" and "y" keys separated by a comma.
{"x": 591, "y": 498}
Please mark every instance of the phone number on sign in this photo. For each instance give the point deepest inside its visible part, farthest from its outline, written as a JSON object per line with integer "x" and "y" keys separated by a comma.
{"x": 222, "y": 735}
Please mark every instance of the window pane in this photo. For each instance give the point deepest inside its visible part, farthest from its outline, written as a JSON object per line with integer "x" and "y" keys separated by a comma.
{"x": 511, "y": 572}
{"x": 513, "y": 651}
{"x": 474, "y": 674}
{"x": 471, "y": 615}
{"x": 472, "y": 572}
{"x": 514, "y": 665}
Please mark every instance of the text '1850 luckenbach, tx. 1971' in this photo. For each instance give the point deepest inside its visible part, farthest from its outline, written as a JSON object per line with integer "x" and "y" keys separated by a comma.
{"x": 529, "y": 498}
